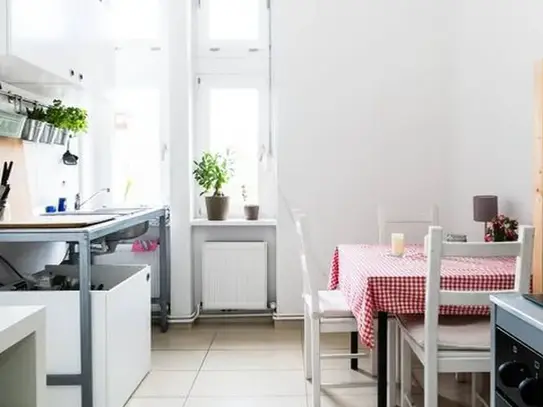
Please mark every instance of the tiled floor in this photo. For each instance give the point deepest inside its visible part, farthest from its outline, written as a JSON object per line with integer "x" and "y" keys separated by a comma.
{"x": 247, "y": 365}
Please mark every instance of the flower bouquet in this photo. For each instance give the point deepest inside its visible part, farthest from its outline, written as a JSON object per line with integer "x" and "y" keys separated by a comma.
{"x": 502, "y": 229}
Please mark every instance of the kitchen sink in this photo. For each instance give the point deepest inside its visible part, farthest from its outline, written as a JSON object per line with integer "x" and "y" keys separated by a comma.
{"x": 129, "y": 233}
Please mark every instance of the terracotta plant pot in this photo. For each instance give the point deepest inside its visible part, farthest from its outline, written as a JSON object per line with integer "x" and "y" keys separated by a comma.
{"x": 251, "y": 212}
{"x": 217, "y": 207}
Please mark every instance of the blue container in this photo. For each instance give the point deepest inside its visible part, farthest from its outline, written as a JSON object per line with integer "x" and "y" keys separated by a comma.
{"x": 50, "y": 209}
{"x": 62, "y": 204}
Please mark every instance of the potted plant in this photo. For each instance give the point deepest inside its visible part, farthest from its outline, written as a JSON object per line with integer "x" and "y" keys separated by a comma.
{"x": 35, "y": 123}
{"x": 212, "y": 172}
{"x": 55, "y": 116}
{"x": 75, "y": 122}
{"x": 502, "y": 229}
{"x": 68, "y": 120}
{"x": 250, "y": 210}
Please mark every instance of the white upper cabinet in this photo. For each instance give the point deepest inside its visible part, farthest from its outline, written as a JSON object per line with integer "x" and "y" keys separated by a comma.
{"x": 49, "y": 42}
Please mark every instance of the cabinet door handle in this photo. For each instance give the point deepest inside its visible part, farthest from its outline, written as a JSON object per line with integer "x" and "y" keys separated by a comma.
{"x": 72, "y": 72}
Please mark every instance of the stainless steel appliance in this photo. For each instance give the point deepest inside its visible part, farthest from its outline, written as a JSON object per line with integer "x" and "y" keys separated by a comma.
{"x": 517, "y": 346}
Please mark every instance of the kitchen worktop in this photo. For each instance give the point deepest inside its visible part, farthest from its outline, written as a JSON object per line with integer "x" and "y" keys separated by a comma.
{"x": 523, "y": 309}
{"x": 26, "y": 231}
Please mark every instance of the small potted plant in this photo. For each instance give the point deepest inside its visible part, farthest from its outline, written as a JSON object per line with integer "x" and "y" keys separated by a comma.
{"x": 212, "y": 172}
{"x": 250, "y": 210}
{"x": 56, "y": 118}
{"x": 502, "y": 229}
{"x": 35, "y": 123}
{"x": 75, "y": 122}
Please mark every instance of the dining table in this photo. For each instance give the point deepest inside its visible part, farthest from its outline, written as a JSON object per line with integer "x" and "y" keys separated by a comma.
{"x": 377, "y": 284}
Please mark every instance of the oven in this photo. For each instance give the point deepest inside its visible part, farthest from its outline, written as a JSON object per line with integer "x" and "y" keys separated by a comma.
{"x": 518, "y": 374}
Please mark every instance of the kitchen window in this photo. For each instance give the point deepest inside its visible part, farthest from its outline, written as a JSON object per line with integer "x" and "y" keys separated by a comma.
{"x": 232, "y": 97}
{"x": 140, "y": 160}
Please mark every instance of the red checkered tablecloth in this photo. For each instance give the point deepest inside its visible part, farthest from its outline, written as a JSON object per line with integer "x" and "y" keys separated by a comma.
{"x": 372, "y": 280}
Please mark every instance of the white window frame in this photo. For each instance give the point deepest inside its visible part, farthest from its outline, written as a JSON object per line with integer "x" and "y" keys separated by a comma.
{"x": 150, "y": 78}
{"x": 208, "y": 48}
{"x": 202, "y": 142}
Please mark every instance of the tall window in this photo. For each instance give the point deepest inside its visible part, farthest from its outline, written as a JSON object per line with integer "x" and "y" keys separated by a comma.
{"x": 140, "y": 163}
{"x": 232, "y": 94}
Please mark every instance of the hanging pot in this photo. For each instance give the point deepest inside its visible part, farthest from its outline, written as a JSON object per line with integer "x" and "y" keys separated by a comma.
{"x": 46, "y": 133}
{"x": 62, "y": 137}
{"x": 33, "y": 130}
{"x": 55, "y": 134}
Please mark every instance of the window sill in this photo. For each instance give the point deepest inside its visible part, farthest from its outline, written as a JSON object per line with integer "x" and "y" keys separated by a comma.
{"x": 234, "y": 222}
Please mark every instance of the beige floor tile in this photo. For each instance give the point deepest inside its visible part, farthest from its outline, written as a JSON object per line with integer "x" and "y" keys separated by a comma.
{"x": 160, "y": 383}
{"x": 356, "y": 384}
{"x": 156, "y": 402}
{"x": 257, "y": 340}
{"x": 247, "y": 402}
{"x": 249, "y": 384}
{"x": 346, "y": 401}
{"x": 254, "y": 360}
{"x": 177, "y": 359}
{"x": 182, "y": 339}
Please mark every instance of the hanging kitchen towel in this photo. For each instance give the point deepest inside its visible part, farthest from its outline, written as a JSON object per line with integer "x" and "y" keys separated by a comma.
{"x": 144, "y": 246}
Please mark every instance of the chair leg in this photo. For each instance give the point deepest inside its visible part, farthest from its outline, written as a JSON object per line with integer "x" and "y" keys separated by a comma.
{"x": 307, "y": 344}
{"x": 391, "y": 369}
{"x": 474, "y": 390}
{"x": 405, "y": 367}
{"x": 431, "y": 395}
{"x": 398, "y": 354}
{"x": 316, "y": 361}
{"x": 354, "y": 349}
{"x": 374, "y": 351}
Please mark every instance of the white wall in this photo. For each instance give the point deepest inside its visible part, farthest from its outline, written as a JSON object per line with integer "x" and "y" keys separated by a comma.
{"x": 378, "y": 102}
{"x": 495, "y": 48}
{"x": 359, "y": 115}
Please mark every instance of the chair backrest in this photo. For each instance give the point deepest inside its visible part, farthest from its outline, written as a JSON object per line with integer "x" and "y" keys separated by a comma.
{"x": 435, "y": 296}
{"x": 389, "y": 223}
{"x": 310, "y": 285}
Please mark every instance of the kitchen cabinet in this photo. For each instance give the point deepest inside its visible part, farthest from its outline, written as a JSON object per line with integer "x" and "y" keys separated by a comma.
{"x": 51, "y": 42}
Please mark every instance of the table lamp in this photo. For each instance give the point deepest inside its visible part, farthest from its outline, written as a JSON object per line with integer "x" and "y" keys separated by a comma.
{"x": 485, "y": 207}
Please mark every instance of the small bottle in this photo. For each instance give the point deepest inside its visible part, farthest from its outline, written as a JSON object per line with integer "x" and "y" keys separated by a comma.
{"x": 62, "y": 204}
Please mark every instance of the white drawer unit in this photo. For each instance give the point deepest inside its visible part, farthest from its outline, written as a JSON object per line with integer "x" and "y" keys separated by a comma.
{"x": 234, "y": 276}
{"x": 121, "y": 333}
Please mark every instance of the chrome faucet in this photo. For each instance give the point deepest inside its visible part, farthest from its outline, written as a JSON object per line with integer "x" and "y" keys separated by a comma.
{"x": 78, "y": 204}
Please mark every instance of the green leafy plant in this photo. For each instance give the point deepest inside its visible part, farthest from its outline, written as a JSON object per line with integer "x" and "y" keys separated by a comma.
{"x": 37, "y": 113}
{"x": 212, "y": 172}
{"x": 56, "y": 114}
{"x": 76, "y": 119}
{"x": 68, "y": 118}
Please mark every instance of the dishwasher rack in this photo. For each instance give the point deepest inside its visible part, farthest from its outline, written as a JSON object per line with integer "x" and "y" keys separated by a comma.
{"x": 83, "y": 237}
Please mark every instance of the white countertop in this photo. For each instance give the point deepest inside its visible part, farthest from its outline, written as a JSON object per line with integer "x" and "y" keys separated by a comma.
{"x": 522, "y": 308}
{"x": 16, "y": 323}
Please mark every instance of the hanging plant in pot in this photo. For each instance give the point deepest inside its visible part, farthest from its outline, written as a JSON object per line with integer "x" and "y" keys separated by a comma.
{"x": 35, "y": 123}
{"x": 212, "y": 172}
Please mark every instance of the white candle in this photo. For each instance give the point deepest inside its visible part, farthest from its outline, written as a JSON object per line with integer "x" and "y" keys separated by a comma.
{"x": 397, "y": 240}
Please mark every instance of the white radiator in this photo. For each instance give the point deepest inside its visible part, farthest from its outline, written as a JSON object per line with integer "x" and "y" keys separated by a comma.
{"x": 234, "y": 276}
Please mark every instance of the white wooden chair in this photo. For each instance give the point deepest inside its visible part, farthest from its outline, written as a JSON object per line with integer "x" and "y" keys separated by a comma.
{"x": 391, "y": 223}
{"x": 456, "y": 344}
{"x": 324, "y": 311}
{"x": 396, "y": 223}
